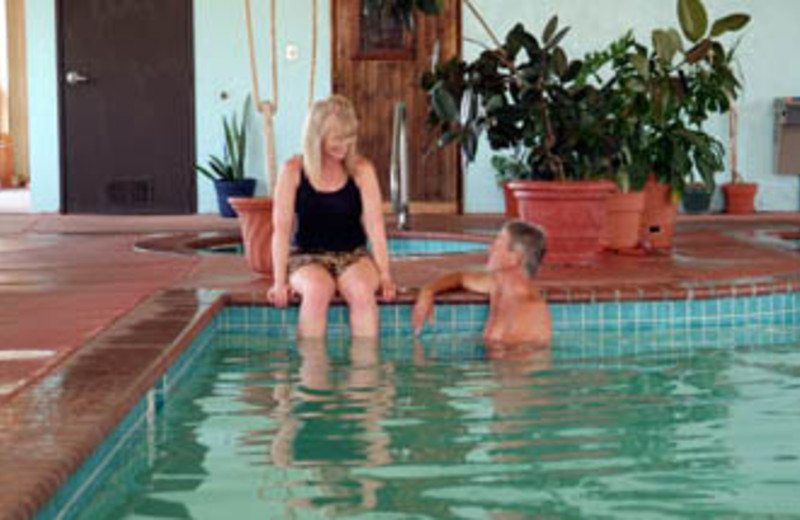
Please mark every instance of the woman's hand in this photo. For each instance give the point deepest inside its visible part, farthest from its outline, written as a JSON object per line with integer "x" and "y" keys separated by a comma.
{"x": 388, "y": 288}
{"x": 279, "y": 294}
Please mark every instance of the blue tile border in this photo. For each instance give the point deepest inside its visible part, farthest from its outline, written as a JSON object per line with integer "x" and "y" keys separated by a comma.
{"x": 621, "y": 316}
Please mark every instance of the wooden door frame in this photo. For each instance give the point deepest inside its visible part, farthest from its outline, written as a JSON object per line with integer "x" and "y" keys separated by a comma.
{"x": 436, "y": 207}
{"x": 62, "y": 137}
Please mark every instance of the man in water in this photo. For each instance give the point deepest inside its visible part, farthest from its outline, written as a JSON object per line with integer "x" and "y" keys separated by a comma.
{"x": 517, "y": 311}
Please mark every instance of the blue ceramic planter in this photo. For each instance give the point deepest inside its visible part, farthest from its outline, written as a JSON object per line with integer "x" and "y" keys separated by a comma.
{"x": 239, "y": 188}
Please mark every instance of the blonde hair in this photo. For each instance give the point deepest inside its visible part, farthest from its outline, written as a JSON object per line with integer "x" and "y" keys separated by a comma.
{"x": 335, "y": 111}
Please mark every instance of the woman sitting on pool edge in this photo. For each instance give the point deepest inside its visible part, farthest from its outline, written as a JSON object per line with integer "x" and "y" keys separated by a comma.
{"x": 331, "y": 198}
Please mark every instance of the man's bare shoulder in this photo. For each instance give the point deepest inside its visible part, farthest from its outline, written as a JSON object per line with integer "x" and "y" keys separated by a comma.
{"x": 477, "y": 281}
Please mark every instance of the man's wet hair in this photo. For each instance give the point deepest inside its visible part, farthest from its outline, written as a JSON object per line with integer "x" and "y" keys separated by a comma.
{"x": 530, "y": 240}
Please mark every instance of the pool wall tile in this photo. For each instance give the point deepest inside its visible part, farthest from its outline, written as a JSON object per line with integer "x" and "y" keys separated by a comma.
{"x": 622, "y": 316}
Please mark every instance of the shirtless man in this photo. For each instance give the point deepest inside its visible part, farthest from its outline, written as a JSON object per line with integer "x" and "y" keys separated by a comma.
{"x": 517, "y": 311}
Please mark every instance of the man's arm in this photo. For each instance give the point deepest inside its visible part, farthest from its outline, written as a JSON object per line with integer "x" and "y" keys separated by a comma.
{"x": 476, "y": 282}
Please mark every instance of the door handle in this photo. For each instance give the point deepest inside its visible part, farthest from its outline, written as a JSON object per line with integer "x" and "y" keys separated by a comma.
{"x": 75, "y": 78}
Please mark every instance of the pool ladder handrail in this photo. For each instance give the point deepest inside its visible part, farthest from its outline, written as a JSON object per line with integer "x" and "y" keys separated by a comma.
{"x": 398, "y": 167}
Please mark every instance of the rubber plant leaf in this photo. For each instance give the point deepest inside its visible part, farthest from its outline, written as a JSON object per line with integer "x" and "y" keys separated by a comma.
{"x": 550, "y": 30}
{"x": 693, "y": 18}
{"x": 731, "y": 23}
{"x": 443, "y": 103}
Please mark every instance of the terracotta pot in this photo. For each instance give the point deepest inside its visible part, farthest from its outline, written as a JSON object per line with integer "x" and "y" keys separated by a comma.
{"x": 660, "y": 213}
{"x": 255, "y": 221}
{"x": 573, "y": 215}
{"x": 512, "y": 212}
{"x": 740, "y": 198}
{"x": 624, "y": 221}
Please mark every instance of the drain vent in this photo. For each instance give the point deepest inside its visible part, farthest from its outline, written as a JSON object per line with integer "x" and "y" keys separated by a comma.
{"x": 134, "y": 193}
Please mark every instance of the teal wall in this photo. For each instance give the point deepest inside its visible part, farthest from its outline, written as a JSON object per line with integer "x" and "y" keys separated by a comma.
{"x": 40, "y": 23}
{"x": 767, "y": 59}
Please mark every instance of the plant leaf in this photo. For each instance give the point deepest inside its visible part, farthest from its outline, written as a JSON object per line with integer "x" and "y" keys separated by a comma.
{"x": 693, "y": 18}
{"x": 443, "y": 103}
{"x": 573, "y": 71}
{"x": 205, "y": 172}
{"x": 560, "y": 62}
{"x": 731, "y": 23}
{"x": 642, "y": 65}
{"x": 665, "y": 46}
{"x": 557, "y": 38}
{"x": 550, "y": 30}
{"x": 676, "y": 40}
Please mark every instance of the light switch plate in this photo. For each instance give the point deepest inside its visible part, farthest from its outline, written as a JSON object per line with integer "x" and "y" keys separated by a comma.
{"x": 292, "y": 52}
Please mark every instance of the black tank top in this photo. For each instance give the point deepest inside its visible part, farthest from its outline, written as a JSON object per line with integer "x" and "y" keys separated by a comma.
{"x": 328, "y": 221}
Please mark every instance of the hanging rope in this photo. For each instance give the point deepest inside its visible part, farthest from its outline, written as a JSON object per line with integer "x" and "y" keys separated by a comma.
{"x": 314, "y": 31}
{"x": 267, "y": 108}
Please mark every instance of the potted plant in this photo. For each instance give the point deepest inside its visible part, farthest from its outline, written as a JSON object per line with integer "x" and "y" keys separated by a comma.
{"x": 227, "y": 172}
{"x": 689, "y": 77}
{"x": 525, "y": 95}
{"x": 739, "y": 195}
{"x": 615, "y": 70}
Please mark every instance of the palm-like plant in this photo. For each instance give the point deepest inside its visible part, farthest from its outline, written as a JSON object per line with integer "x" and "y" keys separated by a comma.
{"x": 229, "y": 167}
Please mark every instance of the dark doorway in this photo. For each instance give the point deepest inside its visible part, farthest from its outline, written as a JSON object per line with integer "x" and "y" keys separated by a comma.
{"x": 127, "y": 106}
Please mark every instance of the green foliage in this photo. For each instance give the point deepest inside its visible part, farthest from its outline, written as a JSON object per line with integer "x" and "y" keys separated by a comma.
{"x": 621, "y": 112}
{"x": 230, "y": 166}
{"x": 512, "y": 167}
{"x": 527, "y": 95}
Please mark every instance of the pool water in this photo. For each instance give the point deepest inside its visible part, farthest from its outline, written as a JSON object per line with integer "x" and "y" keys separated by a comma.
{"x": 398, "y": 247}
{"x": 447, "y": 429}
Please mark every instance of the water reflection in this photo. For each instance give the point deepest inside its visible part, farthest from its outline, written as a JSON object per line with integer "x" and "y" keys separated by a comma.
{"x": 455, "y": 428}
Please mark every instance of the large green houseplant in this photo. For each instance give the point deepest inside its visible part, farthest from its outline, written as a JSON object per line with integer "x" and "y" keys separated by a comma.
{"x": 525, "y": 95}
{"x": 667, "y": 92}
{"x": 228, "y": 172}
{"x": 690, "y": 78}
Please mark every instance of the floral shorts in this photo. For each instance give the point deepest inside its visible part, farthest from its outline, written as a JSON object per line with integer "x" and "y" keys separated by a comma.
{"x": 335, "y": 262}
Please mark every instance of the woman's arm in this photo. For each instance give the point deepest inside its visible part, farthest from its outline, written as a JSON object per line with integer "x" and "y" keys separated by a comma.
{"x": 372, "y": 220}
{"x": 282, "y": 222}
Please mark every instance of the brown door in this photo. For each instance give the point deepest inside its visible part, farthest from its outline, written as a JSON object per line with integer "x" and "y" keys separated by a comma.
{"x": 376, "y": 63}
{"x": 127, "y": 106}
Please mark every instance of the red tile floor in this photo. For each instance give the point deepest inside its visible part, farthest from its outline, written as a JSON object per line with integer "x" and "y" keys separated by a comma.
{"x": 87, "y": 321}
{"x": 65, "y": 278}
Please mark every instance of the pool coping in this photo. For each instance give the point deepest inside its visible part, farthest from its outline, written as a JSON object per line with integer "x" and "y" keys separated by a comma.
{"x": 82, "y": 400}
{"x": 554, "y": 289}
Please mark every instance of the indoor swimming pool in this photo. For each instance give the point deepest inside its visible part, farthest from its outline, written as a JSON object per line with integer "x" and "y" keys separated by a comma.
{"x": 675, "y": 415}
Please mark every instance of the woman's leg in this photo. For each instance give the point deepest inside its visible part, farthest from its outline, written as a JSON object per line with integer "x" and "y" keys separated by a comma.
{"x": 316, "y": 288}
{"x": 358, "y": 284}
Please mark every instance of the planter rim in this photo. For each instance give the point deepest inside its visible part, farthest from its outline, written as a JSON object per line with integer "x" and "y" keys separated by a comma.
{"x": 250, "y": 203}
{"x": 562, "y": 185}
{"x": 742, "y": 185}
{"x": 246, "y": 180}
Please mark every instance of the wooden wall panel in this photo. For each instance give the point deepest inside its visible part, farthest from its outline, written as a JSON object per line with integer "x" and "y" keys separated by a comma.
{"x": 376, "y": 84}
